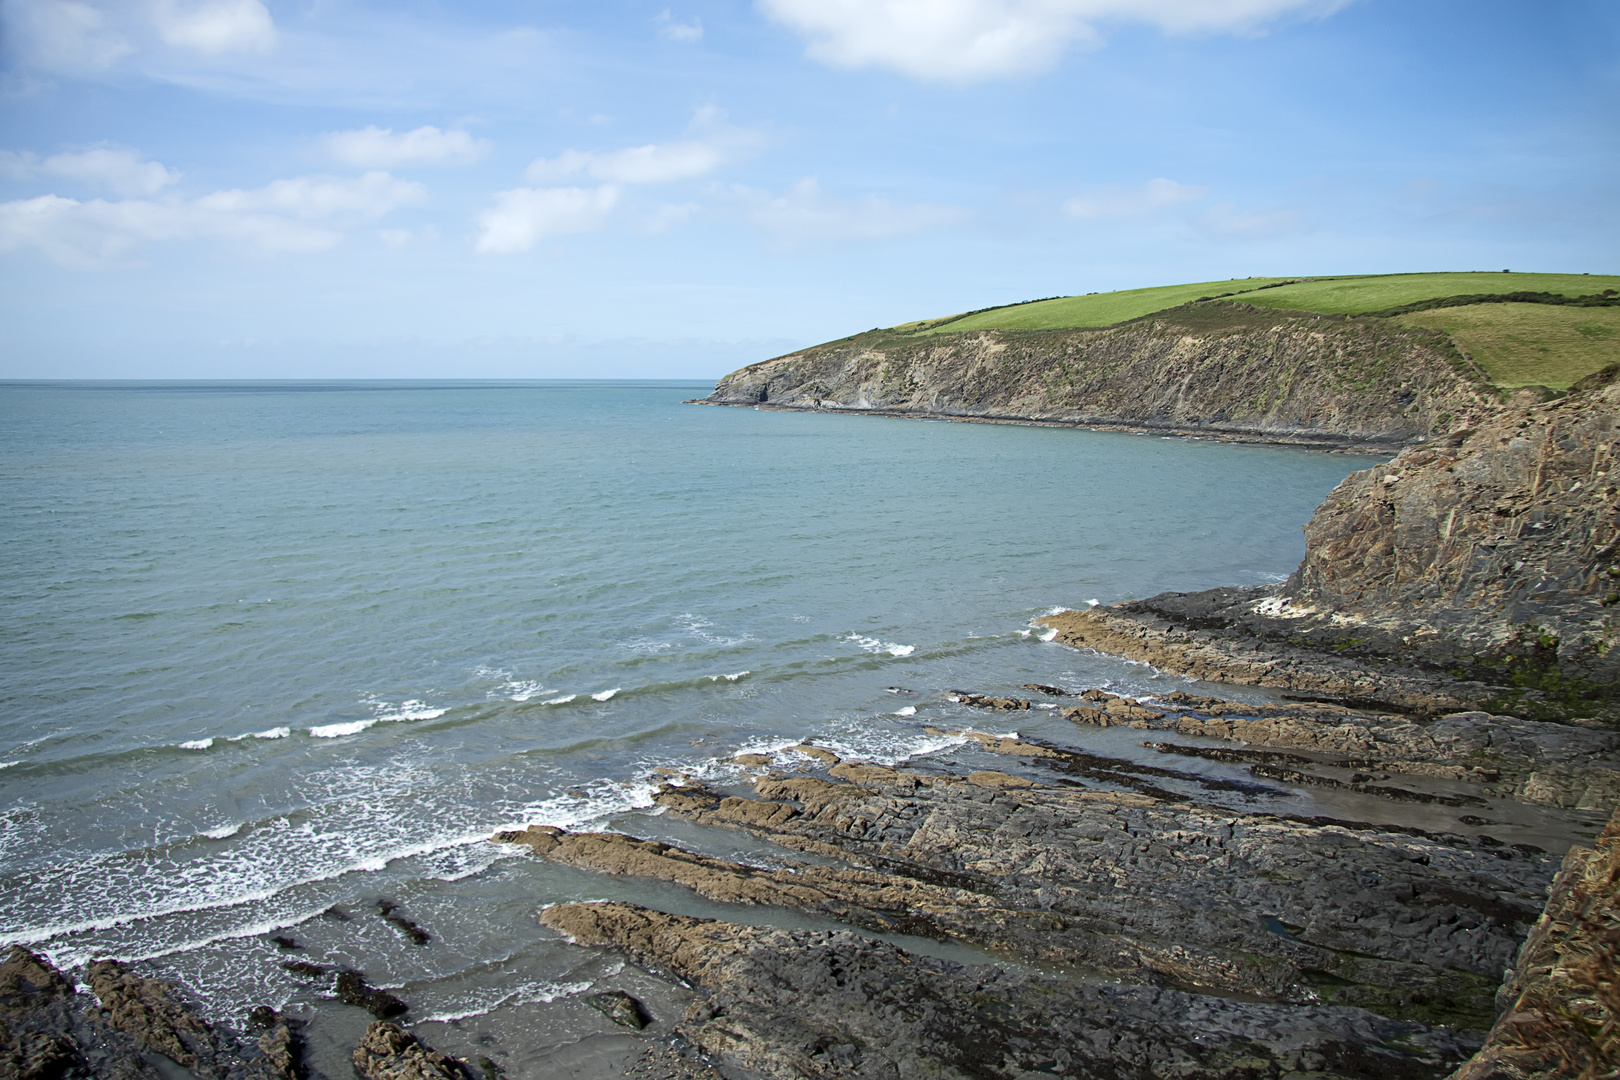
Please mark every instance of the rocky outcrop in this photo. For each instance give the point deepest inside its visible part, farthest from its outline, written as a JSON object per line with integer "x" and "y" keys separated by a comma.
{"x": 794, "y": 1004}
{"x": 49, "y": 1031}
{"x": 1220, "y": 369}
{"x": 1561, "y": 1015}
{"x": 1480, "y": 571}
{"x": 389, "y": 1052}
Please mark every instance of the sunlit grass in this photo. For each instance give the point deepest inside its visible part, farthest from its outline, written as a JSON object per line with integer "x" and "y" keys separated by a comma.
{"x": 1530, "y": 344}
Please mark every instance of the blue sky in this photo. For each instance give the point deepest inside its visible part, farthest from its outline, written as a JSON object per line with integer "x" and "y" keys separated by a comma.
{"x": 333, "y": 188}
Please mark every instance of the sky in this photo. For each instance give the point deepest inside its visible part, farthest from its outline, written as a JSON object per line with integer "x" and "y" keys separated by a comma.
{"x": 675, "y": 188}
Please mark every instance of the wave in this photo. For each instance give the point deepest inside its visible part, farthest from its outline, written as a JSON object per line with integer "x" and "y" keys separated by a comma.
{"x": 386, "y": 714}
{"x": 728, "y": 678}
{"x": 873, "y": 645}
{"x": 909, "y": 710}
{"x": 544, "y": 993}
{"x": 605, "y": 694}
{"x": 197, "y": 744}
{"x": 333, "y": 731}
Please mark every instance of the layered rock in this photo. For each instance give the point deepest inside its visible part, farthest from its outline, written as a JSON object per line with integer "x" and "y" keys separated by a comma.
{"x": 1477, "y": 572}
{"x": 1221, "y": 369}
{"x": 1561, "y": 1015}
{"x": 788, "y": 1004}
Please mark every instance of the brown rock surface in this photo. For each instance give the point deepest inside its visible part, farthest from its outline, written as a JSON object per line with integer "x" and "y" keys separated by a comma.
{"x": 834, "y": 1004}
{"x": 148, "y": 1011}
{"x": 389, "y": 1052}
{"x": 1562, "y": 999}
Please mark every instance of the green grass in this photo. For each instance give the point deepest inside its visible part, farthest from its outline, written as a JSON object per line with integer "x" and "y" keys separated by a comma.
{"x": 1097, "y": 309}
{"x": 1334, "y": 295}
{"x": 1357, "y": 295}
{"x": 1530, "y": 344}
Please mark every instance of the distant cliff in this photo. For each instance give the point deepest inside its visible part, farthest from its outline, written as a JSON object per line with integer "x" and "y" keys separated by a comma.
{"x": 1218, "y": 369}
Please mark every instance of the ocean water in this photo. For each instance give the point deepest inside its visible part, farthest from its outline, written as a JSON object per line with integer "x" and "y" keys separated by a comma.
{"x": 271, "y": 650}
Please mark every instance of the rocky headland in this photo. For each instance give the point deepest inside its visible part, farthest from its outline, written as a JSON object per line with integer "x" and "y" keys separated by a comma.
{"x": 1219, "y": 369}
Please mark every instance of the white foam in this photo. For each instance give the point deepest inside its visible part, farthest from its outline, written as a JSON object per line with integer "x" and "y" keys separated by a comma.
{"x": 9, "y": 764}
{"x": 545, "y": 993}
{"x": 729, "y": 678}
{"x": 565, "y": 699}
{"x": 909, "y": 710}
{"x": 408, "y": 710}
{"x": 224, "y": 832}
{"x": 1059, "y": 610}
{"x": 273, "y": 733}
{"x": 1094, "y": 603}
{"x": 197, "y": 744}
{"x": 1048, "y": 634}
{"x": 605, "y": 694}
{"x": 523, "y": 691}
{"x": 333, "y": 731}
{"x": 873, "y": 645}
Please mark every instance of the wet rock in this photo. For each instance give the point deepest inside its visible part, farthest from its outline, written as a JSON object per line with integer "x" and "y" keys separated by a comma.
{"x": 826, "y": 757}
{"x": 352, "y": 989}
{"x": 984, "y": 701}
{"x": 753, "y": 760}
{"x": 1049, "y": 691}
{"x": 285, "y": 943}
{"x": 413, "y": 933}
{"x": 795, "y": 1004}
{"x": 148, "y": 1011}
{"x": 389, "y": 1052}
{"x": 305, "y": 968}
{"x": 620, "y": 1008}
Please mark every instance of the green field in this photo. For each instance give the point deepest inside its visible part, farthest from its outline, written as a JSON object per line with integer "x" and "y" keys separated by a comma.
{"x": 1516, "y": 344}
{"x": 1097, "y": 309}
{"x": 1358, "y": 295}
{"x": 1530, "y": 344}
{"x": 1353, "y": 295}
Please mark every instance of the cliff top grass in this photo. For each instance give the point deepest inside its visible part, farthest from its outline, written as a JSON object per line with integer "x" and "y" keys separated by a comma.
{"x": 1348, "y": 295}
{"x": 1517, "y": 344}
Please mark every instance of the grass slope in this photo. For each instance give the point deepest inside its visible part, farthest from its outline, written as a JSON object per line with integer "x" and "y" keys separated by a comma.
{"x": 1516, "y": 344}
{"x": 1530, "y": 344}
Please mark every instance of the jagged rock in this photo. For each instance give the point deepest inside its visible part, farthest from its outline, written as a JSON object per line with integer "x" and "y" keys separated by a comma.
{"x": 389, "y": 1052}
{"x": 413, "y": 933}
{"x": 1561, "y": 1002}
{"x": 148, "y": 1011}
{"x": 1473, "y": 572}
{"x": 620, "y": 1008}
{"x": 830, "y": 1004}
{"x": 352, "y": 989}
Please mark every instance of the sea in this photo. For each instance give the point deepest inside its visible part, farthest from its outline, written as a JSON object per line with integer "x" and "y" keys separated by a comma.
{"x": 276, "y": 656}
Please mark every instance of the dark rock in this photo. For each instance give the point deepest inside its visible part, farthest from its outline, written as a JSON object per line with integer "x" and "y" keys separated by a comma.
{"x": 413, "y": 933}
{"x": 389, "y": 1052}
{"x": 1049, "y": 691}
{"x": 285, "y": 943}
{"x": 620, "y": 1008}
{"x": 148, "y": 1011}
{"x": 304, "y": 968}
{"x": 352, "y": 989}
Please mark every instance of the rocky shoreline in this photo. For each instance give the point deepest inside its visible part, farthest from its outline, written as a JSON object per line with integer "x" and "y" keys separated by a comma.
{"x": 1022, "y": 907}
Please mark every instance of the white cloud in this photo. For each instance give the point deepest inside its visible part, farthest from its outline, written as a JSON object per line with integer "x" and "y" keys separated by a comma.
{"x": 712, "y": 144}
{"x": 379, "y": 148}
{"x": 274, "y": 218}
{"x": 369, "y": 196}
{"x": 1226, "y": 220}
{"x": 216, "y": 26}
{"x": 806, "y": 214}
{"x": 655, "y": 163}
{"x": 1124, "y": 202}
{"x": 970, "y": 40}
{"x": 523, "y": 217}
{"x": 120, "y": 171}
{"x": 672, "y": 29}
{"x": 63, "y": 35}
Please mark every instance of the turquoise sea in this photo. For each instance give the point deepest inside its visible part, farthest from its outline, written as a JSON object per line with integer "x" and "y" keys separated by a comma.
{"x": 271, "y": 648}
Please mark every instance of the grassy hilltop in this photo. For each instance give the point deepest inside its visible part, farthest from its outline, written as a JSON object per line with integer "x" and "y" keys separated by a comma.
{"x": 1542, "y": 343}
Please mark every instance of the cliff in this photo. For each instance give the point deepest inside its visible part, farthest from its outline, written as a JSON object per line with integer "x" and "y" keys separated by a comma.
{"x": 1480, "y": 570}
{"x": 1223, "y": 369}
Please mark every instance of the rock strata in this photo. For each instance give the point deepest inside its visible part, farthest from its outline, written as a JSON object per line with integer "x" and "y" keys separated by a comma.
{"x": 1475, "y": 572}
{"x": 1223, "y": 370}
{"x": 829, "y": 1004}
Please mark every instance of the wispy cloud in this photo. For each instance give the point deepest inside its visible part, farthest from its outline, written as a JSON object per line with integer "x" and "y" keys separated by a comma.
{"x": 972, "y": 40}
{"x": 672, "y": 29}
{"x": 713, "y": 142}
{"x": 113, "y": 169}
{"x": 292, "y": 215}
{"x": 523, "y": 217}
{"x": 1227, "y": 221}
{"x": 379, "y": 148}
{"x": 216, "y": 26}
{"x": 1129, "y": 202}
{"x": 807, "y": 215}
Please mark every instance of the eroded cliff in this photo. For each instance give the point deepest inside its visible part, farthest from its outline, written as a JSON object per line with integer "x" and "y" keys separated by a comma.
{"x": 1223, "y": 369}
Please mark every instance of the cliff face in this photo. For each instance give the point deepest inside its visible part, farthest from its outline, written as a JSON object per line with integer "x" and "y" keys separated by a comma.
{"x": 1222, "y": 369}
{"x": 1478, "y": 570}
